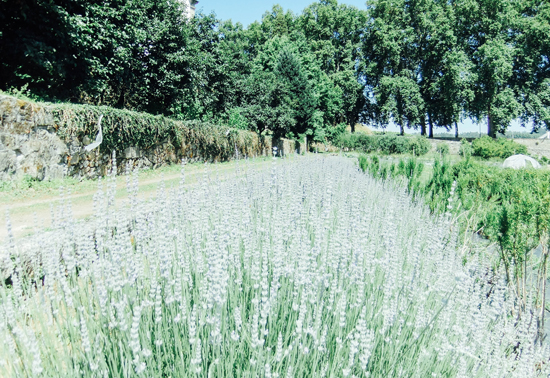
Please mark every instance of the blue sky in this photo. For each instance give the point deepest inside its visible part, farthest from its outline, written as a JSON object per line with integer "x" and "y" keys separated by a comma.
{"x": 247, "y": 12}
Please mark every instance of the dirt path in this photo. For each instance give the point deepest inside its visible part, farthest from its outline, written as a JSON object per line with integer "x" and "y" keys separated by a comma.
{"x": 29, "y": 214}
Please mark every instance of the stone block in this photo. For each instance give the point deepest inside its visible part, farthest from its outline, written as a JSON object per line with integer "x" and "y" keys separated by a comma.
{"x": 131, "y": 153}
{"x": 8, "y": 161}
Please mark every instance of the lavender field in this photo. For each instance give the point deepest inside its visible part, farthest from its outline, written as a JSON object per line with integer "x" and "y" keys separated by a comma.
{"x": 309, "y": 269}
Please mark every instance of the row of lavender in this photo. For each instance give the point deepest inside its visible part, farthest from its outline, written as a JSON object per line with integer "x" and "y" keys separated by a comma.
{"x": 312, "y": 269}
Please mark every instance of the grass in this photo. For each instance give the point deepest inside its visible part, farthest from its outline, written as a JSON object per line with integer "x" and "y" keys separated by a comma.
{"x": 28, "y": 188}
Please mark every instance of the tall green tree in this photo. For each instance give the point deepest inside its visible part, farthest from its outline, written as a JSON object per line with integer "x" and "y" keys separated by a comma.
{"x": 334, "y": 33}
{"x": 262, "y": 108}
{"x": 295, "y": 92}
{"x": 487, "y": 29}
{"x": 453, "y": 89}
{"x": 443, "y": 72}
{"x": 391, "y": 70}
{"x": 532, "y": 66}
{"x": 133, "y": 55}
{"x": 278, "y": 93}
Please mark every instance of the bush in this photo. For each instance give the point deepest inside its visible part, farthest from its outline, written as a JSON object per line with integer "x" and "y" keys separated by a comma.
{"x": 386, "y": 144}
{"x": 442, "y": 148}
{"x": 237, "y": 120}
{"x": 333, "y": 133}
{"x": 393, "y": 144}
{"x": 509, "y": 207}
{"x": 366, "y": 143}
{"x": 487, "y": 147}
{"x": 465, "y": 148}
{"x": 419, "y": 145}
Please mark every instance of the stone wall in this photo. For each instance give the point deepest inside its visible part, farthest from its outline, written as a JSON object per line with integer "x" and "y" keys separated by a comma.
{"x": 28, "y": 142}
{"x": 30, "y": 145}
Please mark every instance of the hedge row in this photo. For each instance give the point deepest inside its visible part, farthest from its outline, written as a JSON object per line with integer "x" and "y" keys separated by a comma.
{"x": 386, "y": 144}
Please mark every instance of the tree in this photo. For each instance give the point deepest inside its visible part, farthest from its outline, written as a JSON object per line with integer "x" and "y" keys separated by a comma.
{"x": 261, "y": 107}
{"x": 132, "y": 55}
{"x": 442, "y": 71}
{"x": 38, "y": 48}
{"x": 486, "y": 30}
{"x": 453, "y": 89}
{"x": 277, "y": 22}
{"x": 295, "y": 92}
{"x": 277, "y": 94}
{"x": 391, "y": 67}
{"x": 532, "y": 66}
{"x": 334, "y": 33}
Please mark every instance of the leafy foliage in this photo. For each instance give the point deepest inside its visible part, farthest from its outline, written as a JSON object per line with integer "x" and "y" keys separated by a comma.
{"x": 465, "y": 148}
{"x": 124, "y": 128}
{"x": 442, "y": 149}
{"x": 419, "y": 63}
{"x": 487, "y": 147}
{"x": 387, "y": 143}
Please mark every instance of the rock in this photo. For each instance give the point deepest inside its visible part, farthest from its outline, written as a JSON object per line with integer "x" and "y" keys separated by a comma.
{"x": 131, "y": 153}
{"x": 74, "y": 159}
{"x": 55, "y": 172}
{"x": 8, "y": 164}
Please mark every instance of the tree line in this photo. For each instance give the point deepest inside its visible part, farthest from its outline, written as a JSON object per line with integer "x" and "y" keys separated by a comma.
{"x": 423, "y": 64}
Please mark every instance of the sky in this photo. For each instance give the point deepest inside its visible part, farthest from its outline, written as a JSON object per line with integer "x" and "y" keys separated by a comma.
{"x": 246, "y": 12}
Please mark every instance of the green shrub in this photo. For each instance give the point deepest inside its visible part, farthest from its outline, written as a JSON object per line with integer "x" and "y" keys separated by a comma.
{"x": 509, "y": 148}
{"x": 487, "y": 147}
{"x": 366, "y": 143}
{"x": 237, "y": 120}
{"x": 385, "y": 144}
{"x": 465, "y": 148}
{"x": 355, "y": 141}
{"x": 419, "y": 145}
{"x": 509, "y": 207}
{"x": 334, "y": 133}
{"x": 442, "y": 149}
{"x": 410, "y": 170}
{"x": 393, "y": 144}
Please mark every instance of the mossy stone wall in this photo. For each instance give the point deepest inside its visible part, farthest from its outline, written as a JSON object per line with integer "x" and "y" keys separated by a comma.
{"x": 46, "y": 141}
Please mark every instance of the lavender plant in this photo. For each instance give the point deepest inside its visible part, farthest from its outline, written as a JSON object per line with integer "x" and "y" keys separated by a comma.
{"x": 310, "y": 270}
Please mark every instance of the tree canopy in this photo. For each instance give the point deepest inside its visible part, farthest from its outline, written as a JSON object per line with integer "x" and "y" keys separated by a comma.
{"x": 422, "y": 64}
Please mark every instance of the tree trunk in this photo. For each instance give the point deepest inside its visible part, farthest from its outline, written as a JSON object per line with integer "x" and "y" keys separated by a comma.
{"x": 352, "y": 125}
{"x": 401, "y": 126}
{"x": 491, "y": 131}
{"x": 121, "y": 100}
{"x": 423, "y": 126}
{"x": 456, "y": 130}
{"x": 431, "y": 130}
